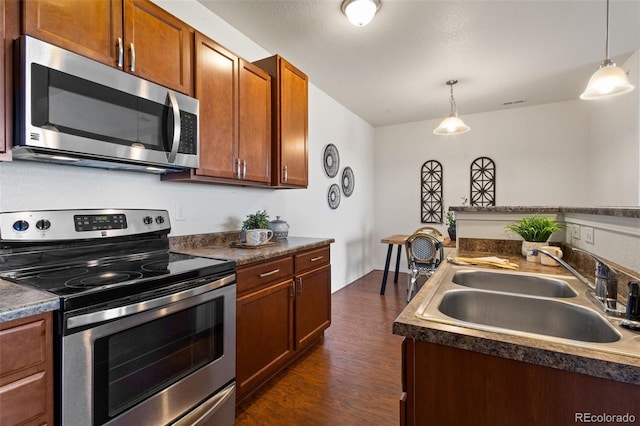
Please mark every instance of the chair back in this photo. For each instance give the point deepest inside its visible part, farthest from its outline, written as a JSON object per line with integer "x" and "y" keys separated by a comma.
{"x": 428, "y": 230}
{"x": 423, "y": 249}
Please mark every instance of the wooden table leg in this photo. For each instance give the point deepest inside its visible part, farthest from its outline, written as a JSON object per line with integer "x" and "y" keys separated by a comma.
{"x": 386, "y": 270}
{"x": 395, "y": 276}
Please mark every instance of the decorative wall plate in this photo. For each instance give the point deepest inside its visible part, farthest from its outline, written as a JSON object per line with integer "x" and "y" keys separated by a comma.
{"x": 331, "y": 160}
{"x": 348, "y": 181}
{"x": 333, "y": 197}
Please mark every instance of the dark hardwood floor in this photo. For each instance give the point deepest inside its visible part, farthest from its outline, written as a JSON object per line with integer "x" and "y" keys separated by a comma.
{"x": 352, "y": 377}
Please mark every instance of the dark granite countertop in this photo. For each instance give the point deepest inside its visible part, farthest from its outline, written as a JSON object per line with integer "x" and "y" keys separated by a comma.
{"x": 217, "y": 246}
{"x": 630, "y": 211}
{"x": 608, "y": 365}
{"x": 18, "y": 301}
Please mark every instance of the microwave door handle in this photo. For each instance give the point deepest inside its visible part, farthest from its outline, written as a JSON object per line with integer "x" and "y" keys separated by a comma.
{"x": 173, "y": 102}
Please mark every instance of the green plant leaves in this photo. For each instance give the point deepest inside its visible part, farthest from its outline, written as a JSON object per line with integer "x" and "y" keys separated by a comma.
{"x": 535, "y": 228}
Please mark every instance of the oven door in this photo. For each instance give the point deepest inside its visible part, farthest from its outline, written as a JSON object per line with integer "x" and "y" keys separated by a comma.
{"x": 176, "y": 353}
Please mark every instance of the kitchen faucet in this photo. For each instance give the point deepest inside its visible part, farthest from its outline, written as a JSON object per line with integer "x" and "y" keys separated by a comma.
{"x": 605, "y": 289}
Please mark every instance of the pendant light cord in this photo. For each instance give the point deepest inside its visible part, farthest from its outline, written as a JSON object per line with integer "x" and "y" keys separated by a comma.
{"x": 606, "y": 35}
{"x": 454, "y": 108}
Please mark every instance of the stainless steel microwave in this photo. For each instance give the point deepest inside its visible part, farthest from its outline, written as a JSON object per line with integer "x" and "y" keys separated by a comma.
{"x": 73, "y": 110}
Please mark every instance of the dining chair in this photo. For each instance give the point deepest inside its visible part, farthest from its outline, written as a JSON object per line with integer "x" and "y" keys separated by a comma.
{"x": 428, "y": 230}
{"x": 424, "y": 254}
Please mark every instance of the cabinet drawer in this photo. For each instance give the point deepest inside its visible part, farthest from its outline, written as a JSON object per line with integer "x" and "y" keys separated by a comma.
{"x": 312, "y": 259}
{"x": 13, "y": 344}
{"x": 24, "y": 399}
{"x": 253, "y": 277}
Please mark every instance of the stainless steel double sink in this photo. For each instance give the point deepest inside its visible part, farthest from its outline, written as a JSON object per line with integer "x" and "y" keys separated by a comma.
{"x": 547, "y": 307}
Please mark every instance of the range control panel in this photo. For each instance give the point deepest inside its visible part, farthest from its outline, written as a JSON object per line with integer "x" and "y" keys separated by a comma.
{"x": 53, "y": 225}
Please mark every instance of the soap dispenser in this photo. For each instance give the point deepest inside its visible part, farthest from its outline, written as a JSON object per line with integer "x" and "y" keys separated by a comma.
{"x": 633, "y": 307}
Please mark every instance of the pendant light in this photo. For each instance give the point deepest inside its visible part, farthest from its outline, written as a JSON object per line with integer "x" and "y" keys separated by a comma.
{"x": 452, "y": 125}
{"x": 360, "y": 12}
{"x": 609, "y": 80}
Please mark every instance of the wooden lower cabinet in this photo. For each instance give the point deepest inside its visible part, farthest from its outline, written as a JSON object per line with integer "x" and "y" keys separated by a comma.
{"x": 443, "y": 386}
{"x": 26, "y": 371}
{"x": 283, "y": 307}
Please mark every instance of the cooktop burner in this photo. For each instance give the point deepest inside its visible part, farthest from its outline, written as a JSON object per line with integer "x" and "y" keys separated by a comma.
{"x": 92, "y": 257}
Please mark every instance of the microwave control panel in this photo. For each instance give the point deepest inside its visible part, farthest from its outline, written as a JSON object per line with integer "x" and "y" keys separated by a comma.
{"x": 188, "y": 133}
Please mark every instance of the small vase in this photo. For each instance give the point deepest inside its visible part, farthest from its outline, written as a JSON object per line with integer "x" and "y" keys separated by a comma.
{"x": 526, "y": 248}
{"x": 452, "y": 232}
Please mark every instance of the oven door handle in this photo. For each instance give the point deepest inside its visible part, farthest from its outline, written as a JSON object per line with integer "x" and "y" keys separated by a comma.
{"x": 147, "y": 305}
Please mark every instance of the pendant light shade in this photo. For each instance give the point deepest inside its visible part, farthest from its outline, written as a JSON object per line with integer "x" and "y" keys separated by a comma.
{"x": 452, "y": 125}
{"x": 609, "y": 80}
{"x": 360, "y": 12}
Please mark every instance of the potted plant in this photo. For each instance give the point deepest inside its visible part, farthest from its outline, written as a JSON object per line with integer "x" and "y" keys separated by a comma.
{"x": 259, "y": 220}
{"x": 535, "y": 230}
{"x": 451, "y": 221}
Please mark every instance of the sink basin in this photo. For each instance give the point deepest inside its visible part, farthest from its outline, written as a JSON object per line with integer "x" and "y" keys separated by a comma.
{"x": 514, "y": 283}
{"x": 527, "y": 314}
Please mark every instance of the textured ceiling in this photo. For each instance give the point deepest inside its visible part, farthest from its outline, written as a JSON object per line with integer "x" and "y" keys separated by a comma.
{"x": 394, "y": 69}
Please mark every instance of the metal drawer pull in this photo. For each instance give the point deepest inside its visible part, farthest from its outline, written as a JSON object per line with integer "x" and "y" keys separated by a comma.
{"x": 133, "y": 58}
{"x": 315, "y": 259}
{"x": 120, "y": 53}
{"x": 266, "y": 274}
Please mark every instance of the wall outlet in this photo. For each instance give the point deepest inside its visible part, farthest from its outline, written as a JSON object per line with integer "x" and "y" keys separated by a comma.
{"x": 181, "y": 212}
{"x": 588, "y": 234}
{"x": 574, "y": 232}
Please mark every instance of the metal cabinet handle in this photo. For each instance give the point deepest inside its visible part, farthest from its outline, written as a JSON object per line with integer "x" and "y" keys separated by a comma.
{"x": 266, "y": 274}
{"x": 133, "y": 58}
{"x": 300, "y": 285}
{"x": 238, "y": 174}
{"x": 315, "y": 259}
{"x": 286, "y": 173}
{"x": 244, "y": 169}
{"x": 120, "y": 53}
{"x": 293, "y": 289}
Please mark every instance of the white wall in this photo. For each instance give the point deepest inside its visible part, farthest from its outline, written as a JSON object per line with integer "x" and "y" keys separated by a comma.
{"x": 541, "y": 156}
{"x": 614, "y": 128}
{"x": 214, "y": 208}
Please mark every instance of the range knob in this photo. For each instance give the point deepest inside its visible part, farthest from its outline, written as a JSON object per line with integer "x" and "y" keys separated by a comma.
{"x": 148, "y": 220}
{"x": 43, "y": 224}
{"x": 20, "y": 225}
{"x": 159, "y": 220}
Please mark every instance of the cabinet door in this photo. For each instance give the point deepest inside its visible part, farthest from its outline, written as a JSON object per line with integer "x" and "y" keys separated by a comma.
{"x": 255, "y": 123}
{"x": 217, "y": 89}
{"x": 89, "y": 28}
{"x": 158, "y": 45}
{"x": 293, "y": 126}
{"x": 264, "y": 334}
{"x": 313, "y": 305}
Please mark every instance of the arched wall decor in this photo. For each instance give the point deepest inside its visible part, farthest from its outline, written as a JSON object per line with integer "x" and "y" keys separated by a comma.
{"x": 483, "y": 182}
{"x": 431, "y": 192}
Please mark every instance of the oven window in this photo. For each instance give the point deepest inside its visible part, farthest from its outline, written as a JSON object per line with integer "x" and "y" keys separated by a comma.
{"x": 80, "y": 107}
{"x": 137, "y": 363}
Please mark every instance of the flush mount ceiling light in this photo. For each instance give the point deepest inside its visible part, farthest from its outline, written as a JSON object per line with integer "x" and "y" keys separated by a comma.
{"x": 360, "y": 12}
{"x": 609, "y": 80}
{"x": 452, "y": 125}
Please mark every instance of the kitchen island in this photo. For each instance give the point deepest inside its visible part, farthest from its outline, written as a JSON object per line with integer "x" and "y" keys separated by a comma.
{"x": 460, "y": 375}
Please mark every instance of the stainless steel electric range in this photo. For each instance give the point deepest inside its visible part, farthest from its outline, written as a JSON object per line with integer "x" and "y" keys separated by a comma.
{"x": 143, "y": 335}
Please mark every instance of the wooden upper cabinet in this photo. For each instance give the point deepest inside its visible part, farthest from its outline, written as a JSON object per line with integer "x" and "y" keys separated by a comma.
{"x": 158, "y": 45}
{"x": 254, "y": 136}
{"x": 134, "y": 35}
{"x": 217, "y": 89}
{"x": 235, "y": 119}
{"x": 9, "y": 29}
{"x": 290, "y": 122}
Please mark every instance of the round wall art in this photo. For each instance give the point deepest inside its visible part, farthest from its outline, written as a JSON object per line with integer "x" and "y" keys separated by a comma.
{"x": 348, "y": 181}
{"x": 331, "y": 160}
{"x": 333, "y": 197}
